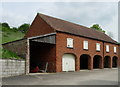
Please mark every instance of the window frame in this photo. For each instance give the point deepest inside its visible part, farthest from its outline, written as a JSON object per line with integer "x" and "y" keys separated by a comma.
{"x": 107, "y": 48}
{"x": 70, "y": 42}
{"x": 85, "y": 45}
{"x": 98, "y": 48}
{"x": 115, "y": 49}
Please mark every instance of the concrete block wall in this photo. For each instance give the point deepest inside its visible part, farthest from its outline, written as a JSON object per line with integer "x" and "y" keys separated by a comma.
{"x": 12, "y": 67}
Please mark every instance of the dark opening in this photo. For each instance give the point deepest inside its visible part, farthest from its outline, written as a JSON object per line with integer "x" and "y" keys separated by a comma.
{"x": 114, "y": 61}
{"x": 107, "y": 62}
{"x": 96, "y": 61}
{"x": 42, "y": 56}
{"x": 84, "y": 60}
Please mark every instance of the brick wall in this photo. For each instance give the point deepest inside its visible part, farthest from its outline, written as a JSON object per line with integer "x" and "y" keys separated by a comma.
{"x": 111, "y": 53}
{"x": 111, "y": 48}
{"x": 12, "y": 67}
{"x": 19, "y": 47}
{"x": 39, "y": 27}
{"x": 54, "y": 53}
{"x": 61, "y": 48}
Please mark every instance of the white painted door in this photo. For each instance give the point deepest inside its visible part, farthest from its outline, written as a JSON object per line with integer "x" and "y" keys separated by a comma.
{"x": 68, "y": 62}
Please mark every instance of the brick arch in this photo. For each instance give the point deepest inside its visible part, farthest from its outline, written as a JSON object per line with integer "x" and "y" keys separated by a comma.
{"x": 85, "y": 62}
{"x": 76, "y": 57}
{"x": 97, "y": 61}
{"x": 115, "y": 61}
{"x": 107, "y": 61}
{"x": 70, "y": 53}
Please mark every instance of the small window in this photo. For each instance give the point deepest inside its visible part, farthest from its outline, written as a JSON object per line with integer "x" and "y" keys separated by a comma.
{"x": 107, "y": 48}
{"x": 115, "y": 50}
{"x": 69, "y": 42}
{"x": 97, "y": 47}
{"x": 85, "y": 45}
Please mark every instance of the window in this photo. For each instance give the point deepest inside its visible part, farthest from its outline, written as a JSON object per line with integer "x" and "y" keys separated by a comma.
{"x": 69, "y": 42}
{"x": 107, "y": 48}
{"x": 115, "y": 50}
{"x": 85, "y": 45}
{"x": 97, "y": 47}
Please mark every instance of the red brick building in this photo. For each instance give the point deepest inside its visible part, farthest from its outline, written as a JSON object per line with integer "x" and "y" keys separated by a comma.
{"x": 65, "y": 46}
{"x": 69, "y": 46}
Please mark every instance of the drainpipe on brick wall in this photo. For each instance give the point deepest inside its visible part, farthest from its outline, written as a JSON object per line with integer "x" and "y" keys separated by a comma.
{"x": 103, "y": 55}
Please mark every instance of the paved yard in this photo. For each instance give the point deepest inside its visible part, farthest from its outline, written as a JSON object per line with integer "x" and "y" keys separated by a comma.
{"x": 85, "y": 77}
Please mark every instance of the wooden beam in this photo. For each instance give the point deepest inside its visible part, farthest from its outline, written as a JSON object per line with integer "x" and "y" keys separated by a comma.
{"x": 46, "y": 39}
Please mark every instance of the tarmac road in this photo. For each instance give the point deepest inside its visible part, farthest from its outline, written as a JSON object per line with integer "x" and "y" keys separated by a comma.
{"x": 83, "y": 77}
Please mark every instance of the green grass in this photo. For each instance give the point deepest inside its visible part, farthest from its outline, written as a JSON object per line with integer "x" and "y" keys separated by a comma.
{"x": 8, "y": 36}
{"x": 7, "y": 54}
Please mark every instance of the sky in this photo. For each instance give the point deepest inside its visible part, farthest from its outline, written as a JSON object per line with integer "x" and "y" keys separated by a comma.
{"x": 84, "y": 13}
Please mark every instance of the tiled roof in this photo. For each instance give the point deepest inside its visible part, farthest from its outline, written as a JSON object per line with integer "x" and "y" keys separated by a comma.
{"x": 72, "y": 28}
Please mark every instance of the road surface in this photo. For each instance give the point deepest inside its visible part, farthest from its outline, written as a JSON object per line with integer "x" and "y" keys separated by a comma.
{"x": 83, "y": 77}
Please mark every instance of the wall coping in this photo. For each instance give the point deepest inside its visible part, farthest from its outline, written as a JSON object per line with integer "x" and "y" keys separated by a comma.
{"x": 14, "y": 59}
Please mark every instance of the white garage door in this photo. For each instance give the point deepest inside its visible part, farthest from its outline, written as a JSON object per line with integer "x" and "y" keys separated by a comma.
{"x": 68, "y": 62}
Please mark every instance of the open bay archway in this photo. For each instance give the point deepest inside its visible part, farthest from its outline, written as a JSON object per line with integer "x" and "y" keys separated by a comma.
{"x": 114, "y": 61}
{"x": 85, "y": 61}
{"x": 107, "y": 61}
{"x": 97, "y": 61}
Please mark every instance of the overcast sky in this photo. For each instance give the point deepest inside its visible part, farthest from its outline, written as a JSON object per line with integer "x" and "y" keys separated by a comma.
{"x": 84, "y": 13}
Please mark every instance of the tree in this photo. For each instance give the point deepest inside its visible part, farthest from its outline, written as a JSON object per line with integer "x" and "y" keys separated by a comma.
{"x": 14, "y": 29}
{"x": 97, "y": 27}
{"x": 23, "y": 28}
{"x": 5, "y": 25}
